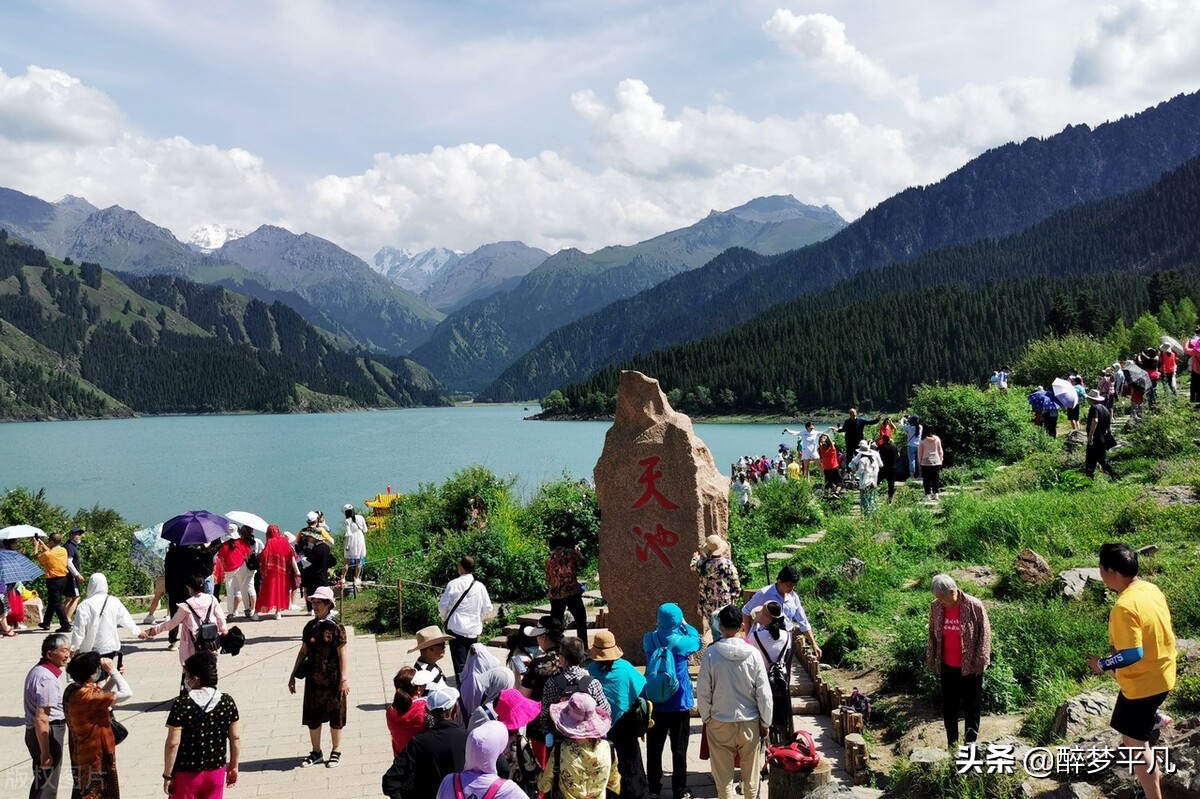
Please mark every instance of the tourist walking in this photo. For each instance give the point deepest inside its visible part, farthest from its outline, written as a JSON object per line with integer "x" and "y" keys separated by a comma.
{"x": 193, "y": 616}
{"x": 581, "y": 764}
{"x": 1192, "y": 350}
{"x": 45, "y": 723}
{"x": 1167, "y": 365}
{"x": 430, "y": 646}
{"x": 315, "y": 562}
{"x": 59, "y": 579}
{"x": 889, "y": 456}
{"x": 235, "y": 559}
{"x": 829, "y": 464}
{"x": 930, "y": 454}
{"x": 623, "y": 685}
{"x": 770, "y": 638}
{"x": 74, "y": 586}
{"x": 735, "y": 707}
{"x": 97, "y": 622}
{"x": 783, "y": 591}
{"x": 321, "y": 663}
{"x": 959, "y": 650}
{"x": 405, "y": 716}
{"x": 911, "y": 425}
{"x": 463, "y": 606}
{"x": 479, "y": 778}
{"x": 354, "y": 546}
{"x": 672, "y": 715}
{"x": 278, "y": 567}
{"x": 440, "y": 750}
{"x": 1143, "y": 659}
{"x": 1099, "y": 437}
{"x": 197, "y": 764}
{"x": 562, "y": 581}
{"x": 866, "y": 465}
{"x": 90, "y": 739}
{"x": 720, "y": 584}
{"x": 180, "y": 565}
{"x": 742, "y": 492}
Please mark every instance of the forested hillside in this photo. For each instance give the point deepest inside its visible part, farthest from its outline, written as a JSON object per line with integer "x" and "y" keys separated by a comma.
{"x": 999, "y": 193}
{"x": 952, "y": 315}
{"x": 77, "y": 341}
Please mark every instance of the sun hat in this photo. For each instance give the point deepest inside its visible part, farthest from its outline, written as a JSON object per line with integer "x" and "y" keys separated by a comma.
{"x": 715, "y": 546}
{"x": 547, "y": 625}
{"x": 324, "y": 592}
{"x": 429, "y": 636}
{"x": 442, "y": 698}
{"x": 579, "y": 717}
{"x": 1094, "y": 396}
{"x": 423, "y": 677}
{"x": 230, "y": 528}
{"x": 290, "y": 536}
{"x": 515, "y": 709}
{"x": 312, "y": 516}
{"x": 604, "y": 647}
{"x": 1165, "y": 347}
{"x": 347, "y": 506}
{"x": 864, "y": 447}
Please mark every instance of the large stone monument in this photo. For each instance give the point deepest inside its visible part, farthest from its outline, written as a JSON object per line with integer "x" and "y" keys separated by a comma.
{"x": 660, "y": 496}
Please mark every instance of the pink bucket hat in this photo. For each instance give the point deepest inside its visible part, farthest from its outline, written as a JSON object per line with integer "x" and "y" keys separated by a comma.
{"x": 515, "y": 709}
{"x": 579, "y": 717}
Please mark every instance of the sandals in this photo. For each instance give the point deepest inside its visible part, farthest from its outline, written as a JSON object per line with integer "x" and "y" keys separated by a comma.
{"x": 313, "y": 759}
{"x": 9, "y": 634}
{"x": 335, "y": 757}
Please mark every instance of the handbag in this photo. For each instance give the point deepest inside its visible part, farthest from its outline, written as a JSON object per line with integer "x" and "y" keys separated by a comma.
{"x": 303, "y": 669}
{"x": 252, "y": 561}
{"x": 120, "y": 731}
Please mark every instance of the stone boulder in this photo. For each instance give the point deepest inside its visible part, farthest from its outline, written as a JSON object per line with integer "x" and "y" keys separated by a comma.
{"x": 1078, "y": 790}
{"x": 1032, "y": 568}
{"x": 853, "y": 568}
{"x": 1076, "y": 441}
{"x": 1082, "y": 714}
{"x": 1073, "y": 582}
{"x": 976, "y": 575}
{"x": 660, "y": 496}
{"x": 929, "y": 756}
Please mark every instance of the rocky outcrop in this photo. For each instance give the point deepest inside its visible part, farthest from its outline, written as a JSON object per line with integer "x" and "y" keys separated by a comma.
{"x": 1082, "y": 714}
{"x": 1032, "y": 568}
{"x": 660, "y": 496}
{"x": 1073, "y": 582}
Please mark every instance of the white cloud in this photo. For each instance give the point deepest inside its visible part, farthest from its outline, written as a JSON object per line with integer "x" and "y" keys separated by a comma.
{"x": 50, "y": 105}
{"x": 1139, "y": 46}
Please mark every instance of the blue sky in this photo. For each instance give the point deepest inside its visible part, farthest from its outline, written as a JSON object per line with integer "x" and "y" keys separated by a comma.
{"x": 559, "y": 123}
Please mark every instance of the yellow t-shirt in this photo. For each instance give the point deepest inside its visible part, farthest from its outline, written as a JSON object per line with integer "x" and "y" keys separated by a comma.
{"x": 1141, "y": 617}
{"x": 793, "y": 471}
{"x": 54, "y": 562}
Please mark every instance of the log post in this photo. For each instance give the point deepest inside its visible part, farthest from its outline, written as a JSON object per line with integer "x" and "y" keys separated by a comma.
{"x": 783, "y": 784}
{"x": 855, "y": 758}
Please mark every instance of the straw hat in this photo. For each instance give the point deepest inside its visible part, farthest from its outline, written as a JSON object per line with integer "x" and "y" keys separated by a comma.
{"x": 604, "y": 647}
{"x": 579, "y": 717}
{"x": 1094, "y": 396}
{"x": 716, "y": 547}
{"x": 515, "y": 709}
{"x": 429, "y": 636}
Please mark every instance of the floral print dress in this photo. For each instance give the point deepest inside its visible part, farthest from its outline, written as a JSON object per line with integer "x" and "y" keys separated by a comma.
{"x": 719, "y": 584}
{"x": 580, "y": 769}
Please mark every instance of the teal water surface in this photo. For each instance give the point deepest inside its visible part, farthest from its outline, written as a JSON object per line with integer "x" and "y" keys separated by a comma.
{"x": 152, "y": 468}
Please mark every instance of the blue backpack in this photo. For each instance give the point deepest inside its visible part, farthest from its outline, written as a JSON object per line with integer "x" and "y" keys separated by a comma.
{"x": 662, "y": 681}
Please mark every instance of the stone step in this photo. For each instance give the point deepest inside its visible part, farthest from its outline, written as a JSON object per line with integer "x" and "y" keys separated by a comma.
{"x": 779, "y": 556}
{"x": 794, "y": 547}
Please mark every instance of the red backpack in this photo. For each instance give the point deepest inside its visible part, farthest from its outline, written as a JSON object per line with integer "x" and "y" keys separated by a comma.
{"x": 491, "y": 791}
{"x": 800, "y": 754}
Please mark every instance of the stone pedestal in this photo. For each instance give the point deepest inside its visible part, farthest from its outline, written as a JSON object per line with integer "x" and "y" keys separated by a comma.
{"x": 660, "y": 496}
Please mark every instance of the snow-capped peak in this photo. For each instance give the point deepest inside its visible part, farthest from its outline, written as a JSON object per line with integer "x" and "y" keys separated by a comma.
{"x": 207, "y": 238}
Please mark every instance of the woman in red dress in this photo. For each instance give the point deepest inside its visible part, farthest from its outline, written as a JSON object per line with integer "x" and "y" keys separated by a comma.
{"x": 277, "y": 563}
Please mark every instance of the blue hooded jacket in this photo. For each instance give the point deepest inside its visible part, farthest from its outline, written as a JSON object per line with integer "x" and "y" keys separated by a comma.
{"x": 683, "y": 640}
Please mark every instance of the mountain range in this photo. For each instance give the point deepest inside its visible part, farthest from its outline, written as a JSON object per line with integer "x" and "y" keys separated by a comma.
{"x": 996, "y": 194}
{"x": 77, "y": 340}
{"x": 447, "y": 280}
{"x": 474, "y": 345}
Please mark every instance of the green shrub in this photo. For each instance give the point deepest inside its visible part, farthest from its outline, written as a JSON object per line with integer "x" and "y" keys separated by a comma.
{"x": 974, "y": 424}
{"x": 911, "y": 781}
{"x": 510, "y": 564}
{"x": 1048, "y": 693}
{"x": 563, "y": 507}
{"x": 1002, "y": 692}
{"x": 1166, "y": 432}
{"x": 904, "y": 670}
{"x": 784, "y": 506}
{"x": 1186, "y": 696}
{"x": 1048, "y": 358}
{"x": 1041, "y": 640}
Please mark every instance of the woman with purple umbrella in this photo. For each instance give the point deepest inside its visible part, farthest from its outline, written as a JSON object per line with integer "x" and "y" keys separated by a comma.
{"x": 194, "y": 537}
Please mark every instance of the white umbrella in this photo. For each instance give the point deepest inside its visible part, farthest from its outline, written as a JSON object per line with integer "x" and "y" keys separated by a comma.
{"x": 1064, "y": 392}
{"x": 1173, "y": 344}
{"x": 246, "y": 519}
{"x": 21, "y": 531}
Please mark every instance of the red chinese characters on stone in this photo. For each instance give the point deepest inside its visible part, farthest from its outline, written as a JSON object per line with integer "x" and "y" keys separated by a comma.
{"x": 654, "y": 542}
{"x": 649, "y": 477}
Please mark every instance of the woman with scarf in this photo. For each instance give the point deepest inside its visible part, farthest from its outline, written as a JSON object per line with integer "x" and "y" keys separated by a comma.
{"x": 672, "y": 718}
{"x": 277, "y": 564}
{"x": 323, "y": 653}
{"x": 479, "y": 777}
{"x": 489, "y": 685}
{"x": 622, "y": 685}
{"x": 199, "y": 724}
{"x": 88, "y": 710}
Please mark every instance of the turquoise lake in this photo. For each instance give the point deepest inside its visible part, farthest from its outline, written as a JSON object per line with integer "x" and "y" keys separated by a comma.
{"x": 152, "y": 468}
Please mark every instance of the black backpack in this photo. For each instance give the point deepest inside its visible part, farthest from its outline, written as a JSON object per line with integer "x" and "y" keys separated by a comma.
{"x": 206, "y": 638}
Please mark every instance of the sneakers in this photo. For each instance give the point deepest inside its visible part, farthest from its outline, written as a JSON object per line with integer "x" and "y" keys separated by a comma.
{"x": 173, "y": 646}
{"x": 1161, "y": 720}
{"x": 149, "y": 619}
{"x": 335, "y": 757}
{"x": 254, "y": 616}
{"x": 313, "y": 759}
{"x": 278, "y": 614}
{"x": 250, "y": 614}
{"x": 685, "y": 795}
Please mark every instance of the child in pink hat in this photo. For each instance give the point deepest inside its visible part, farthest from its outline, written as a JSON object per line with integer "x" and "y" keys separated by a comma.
{"x": 580, "y": 765}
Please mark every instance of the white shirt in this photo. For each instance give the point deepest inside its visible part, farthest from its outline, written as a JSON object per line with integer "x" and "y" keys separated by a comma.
{"x": 96, "y": 632}
{"x": 354, "y": 545}
{"x": 467, "y": 620}
{"x": 775, "y": 649}
{"x": 793, "y": 610}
